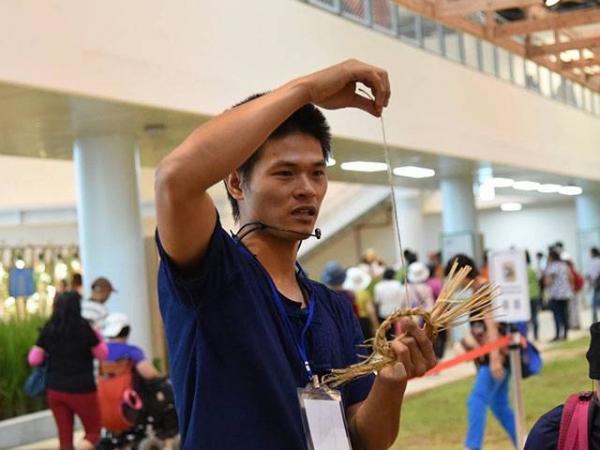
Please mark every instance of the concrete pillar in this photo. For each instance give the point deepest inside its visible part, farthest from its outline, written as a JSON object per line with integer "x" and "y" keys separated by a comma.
{"x": 411, "y": 222}
{"x": 459, "y": 218}
{"x": 110, "y": 228}
{"x": 587, "y": 210}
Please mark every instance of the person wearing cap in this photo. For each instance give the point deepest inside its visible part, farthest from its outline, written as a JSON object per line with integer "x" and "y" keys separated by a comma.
{"x": 419, "y": 292}
{"x": 116, "y": 330}
{"x": 549, "y": 428}
{"x": 94, "y": 309}
{"x": 358, "y": 281}
{"x": 245, "y": 325}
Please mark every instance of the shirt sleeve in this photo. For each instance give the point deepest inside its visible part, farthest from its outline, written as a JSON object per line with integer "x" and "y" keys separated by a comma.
{"x": 207, "y": 278}
{"x": 136, "y": 354}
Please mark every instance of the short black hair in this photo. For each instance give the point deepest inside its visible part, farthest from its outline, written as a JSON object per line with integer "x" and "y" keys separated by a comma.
{"x": 462, "y": 261}
{"x": 306, "y": 120}
{"x": 124, "y": 332}
{"x": 594, "y": 251}
{"x": 389, "y": 274}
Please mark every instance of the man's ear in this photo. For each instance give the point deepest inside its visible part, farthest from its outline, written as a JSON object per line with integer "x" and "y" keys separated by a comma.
{"x": 233, "y": 183}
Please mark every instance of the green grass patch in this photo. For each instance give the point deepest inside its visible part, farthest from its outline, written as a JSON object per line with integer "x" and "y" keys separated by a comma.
{"x": 16, "y": 338}
{"x": 437, "y": 419}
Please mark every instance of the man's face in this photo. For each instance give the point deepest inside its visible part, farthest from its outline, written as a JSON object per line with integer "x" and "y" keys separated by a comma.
{"x": 101, "y": 294}
{"x": 287, "y": 185}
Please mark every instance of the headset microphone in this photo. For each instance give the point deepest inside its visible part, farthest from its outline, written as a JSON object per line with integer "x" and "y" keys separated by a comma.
{"x": 253, "y": 226}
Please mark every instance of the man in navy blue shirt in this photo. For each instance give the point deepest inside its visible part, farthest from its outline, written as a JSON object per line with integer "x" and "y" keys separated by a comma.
{"x": 236, "y": 308}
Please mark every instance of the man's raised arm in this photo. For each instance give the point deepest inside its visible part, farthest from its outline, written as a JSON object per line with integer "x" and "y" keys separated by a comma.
{"x": 185, "y": 213}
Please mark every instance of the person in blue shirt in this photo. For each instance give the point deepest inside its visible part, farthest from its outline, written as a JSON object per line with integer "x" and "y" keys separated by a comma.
{"x": 245, "y": 327}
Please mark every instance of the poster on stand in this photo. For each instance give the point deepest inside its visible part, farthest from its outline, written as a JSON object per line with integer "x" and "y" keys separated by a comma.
{"x": 508, "y": 271}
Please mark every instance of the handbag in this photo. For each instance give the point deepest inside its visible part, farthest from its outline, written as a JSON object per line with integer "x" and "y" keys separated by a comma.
{"x": 35, "y": 385}
{"x": 531, "y": 360}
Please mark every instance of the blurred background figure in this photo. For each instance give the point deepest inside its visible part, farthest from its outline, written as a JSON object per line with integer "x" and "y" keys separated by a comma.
{"x": 577, "y": 283}
{"x": 69, "y": 344}
{"x": 334, "y": 275}
{"x": 77, "y": 283}
{"x": 593, "y": 278}
{"x": 534, "y": 295}
{"x": 389, "y": 296}
{"x": 358, "y": 281}
{"x": 94, "y": 309}
{"x": 558, "y": 282}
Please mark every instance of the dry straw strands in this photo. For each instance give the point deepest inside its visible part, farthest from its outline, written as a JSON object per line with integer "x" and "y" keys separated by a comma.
{"x": 447, "y": 311}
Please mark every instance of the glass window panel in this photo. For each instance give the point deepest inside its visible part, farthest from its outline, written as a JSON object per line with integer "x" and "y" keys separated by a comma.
{"x": 471, "y": 55}
{"x": 503, "y": 64}
{"x": 558, "y": 87}
{"x": 431, "y": 38}
{"x": 569, "y": 92}
{"x": 597, "y": 103}
{"x": 545, "y": 83}
{"x": 452, "y": 43}
{"x": 332, "y": 5}
{"x": 518, "y": 70}
{"x": 382, "y": 13}
{"x": 531, "y": 76}
{"x": 356, "y": 9}
{"x": 578, "y": 91}
{"x": 487, "y": 58}
{"x": 587, "y": 99}
{"x": 407, "y": 24}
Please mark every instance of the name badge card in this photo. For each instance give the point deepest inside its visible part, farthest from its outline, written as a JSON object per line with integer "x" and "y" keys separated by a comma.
{"x": 323, "y": 419}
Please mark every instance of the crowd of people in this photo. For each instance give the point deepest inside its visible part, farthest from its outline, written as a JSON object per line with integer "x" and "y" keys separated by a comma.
{"x": 79, "y": 332}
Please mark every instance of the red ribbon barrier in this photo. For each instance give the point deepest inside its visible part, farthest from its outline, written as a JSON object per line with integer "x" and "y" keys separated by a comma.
{"x": 471, "y": 355}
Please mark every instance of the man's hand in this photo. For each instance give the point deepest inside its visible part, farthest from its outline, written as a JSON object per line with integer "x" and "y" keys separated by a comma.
{"x": 334, "y": 87}
{"x": 414, "y": 354}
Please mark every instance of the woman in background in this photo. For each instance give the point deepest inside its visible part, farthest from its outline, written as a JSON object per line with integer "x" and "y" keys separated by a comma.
{"x": 69, "y": 344}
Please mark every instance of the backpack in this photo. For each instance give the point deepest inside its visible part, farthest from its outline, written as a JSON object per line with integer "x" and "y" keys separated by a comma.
{"x": 573, "y": 433}
{"x": 119, "y": 401}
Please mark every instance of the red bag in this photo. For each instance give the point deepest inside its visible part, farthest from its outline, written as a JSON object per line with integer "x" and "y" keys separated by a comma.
{"x": 578, "y": 280}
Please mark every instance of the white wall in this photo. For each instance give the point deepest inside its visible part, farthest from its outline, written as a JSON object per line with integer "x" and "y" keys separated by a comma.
{"x": 533, "y": 228}
{"x": 203, "y": 56}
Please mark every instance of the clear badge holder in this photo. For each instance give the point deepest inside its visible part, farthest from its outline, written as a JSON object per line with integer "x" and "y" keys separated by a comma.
{"x": 323, "y": 418}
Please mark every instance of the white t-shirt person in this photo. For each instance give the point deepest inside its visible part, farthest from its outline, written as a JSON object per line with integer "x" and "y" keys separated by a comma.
{"x": 388, "y": 294}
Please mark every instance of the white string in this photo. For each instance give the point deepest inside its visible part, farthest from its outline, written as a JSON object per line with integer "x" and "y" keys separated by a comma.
{"x": 390, "y": 175}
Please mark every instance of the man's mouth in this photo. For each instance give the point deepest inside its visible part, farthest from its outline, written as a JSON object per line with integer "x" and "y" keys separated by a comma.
{"x": 305, "y": 211}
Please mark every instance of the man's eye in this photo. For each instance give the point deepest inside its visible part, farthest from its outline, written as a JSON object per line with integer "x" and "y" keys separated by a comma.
{"x": 284, "y": 173}
{"x": 319, "y": 173}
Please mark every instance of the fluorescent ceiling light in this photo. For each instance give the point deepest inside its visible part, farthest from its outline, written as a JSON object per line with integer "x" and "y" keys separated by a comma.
{"x": 331, "y": 161}
{"x": 551, "y": 3}
{"x": 526, "y": 185}
{"x": 364, "y": 166}
{"x": 486, "y": 192}
{"x": 501, "y": 182}
{"x": 570, "y": 190}
{"x": 511, "y": 206}
{"x": 414, "y": 172}
{"x": 549, "y": 188}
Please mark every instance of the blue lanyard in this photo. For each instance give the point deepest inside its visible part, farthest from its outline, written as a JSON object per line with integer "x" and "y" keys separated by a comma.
{"x": 300, "y": 345}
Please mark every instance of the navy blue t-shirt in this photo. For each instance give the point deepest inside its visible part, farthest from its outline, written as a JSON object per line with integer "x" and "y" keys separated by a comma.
{"x": 233, "y": 367}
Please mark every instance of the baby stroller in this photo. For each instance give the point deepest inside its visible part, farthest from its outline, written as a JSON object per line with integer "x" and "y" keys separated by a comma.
{"x": 136, "y": 413}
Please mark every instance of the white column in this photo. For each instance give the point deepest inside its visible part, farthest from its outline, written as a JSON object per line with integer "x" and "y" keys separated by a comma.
{"x": 110, "y": 228}
{"x": 587, "y": 209}
{"x": 459, "y": 217}
{"x": 411, "y": 222}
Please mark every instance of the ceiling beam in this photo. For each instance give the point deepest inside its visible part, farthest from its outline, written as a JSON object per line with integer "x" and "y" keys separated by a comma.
{"x": 586, "y": 62}
{"x": 555, "y": 21}
{"x": 429, "y": 10}
{"x": 552, "y": 49}
{"x": 466, "y": 7}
